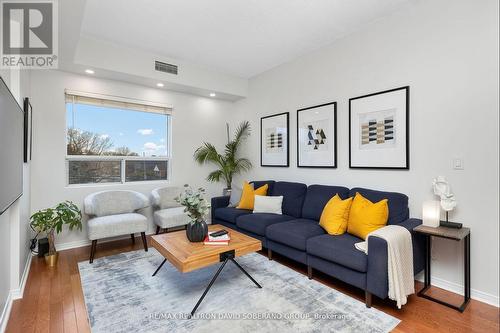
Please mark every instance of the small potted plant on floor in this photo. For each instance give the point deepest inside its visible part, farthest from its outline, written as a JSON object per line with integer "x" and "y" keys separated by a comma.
{"x": 51, "y": 220}
{"x": 197, "y": 208}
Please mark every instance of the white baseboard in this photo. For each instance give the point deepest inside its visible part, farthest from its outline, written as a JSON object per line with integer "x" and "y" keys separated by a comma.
{"x": 19, "y": 292}
{"x": 72, "y": 245}
{"x": 457, "y": 288}
{"x": 14, "y": 294}
{"x": 4, "y": 318}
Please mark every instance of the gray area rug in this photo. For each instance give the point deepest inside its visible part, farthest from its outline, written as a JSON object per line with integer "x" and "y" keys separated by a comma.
{"x": 122, "y": 296}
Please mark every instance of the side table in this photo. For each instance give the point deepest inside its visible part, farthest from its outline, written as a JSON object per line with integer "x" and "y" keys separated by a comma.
{"x": 448, "y": 233}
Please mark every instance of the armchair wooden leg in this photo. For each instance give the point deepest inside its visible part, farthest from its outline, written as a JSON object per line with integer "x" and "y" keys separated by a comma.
{"x": 368, "y": 299}
{"x": 309, "y": 272}
{"x": 269, "y": 254}
{"x": 133, "y": 238}
{"x": 92, "y": 250}
{"x": 157, "y": 230}
{"x": 144, "y": 241}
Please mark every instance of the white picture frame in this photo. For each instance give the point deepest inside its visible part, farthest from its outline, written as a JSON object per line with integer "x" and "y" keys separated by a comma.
{"x": 317, "y": 136}
{"x": 379, "y": 130}
{"x": 274, "y": 140}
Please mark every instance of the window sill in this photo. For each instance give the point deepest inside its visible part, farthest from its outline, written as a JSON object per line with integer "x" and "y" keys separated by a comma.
{"x": 104, "y": 185}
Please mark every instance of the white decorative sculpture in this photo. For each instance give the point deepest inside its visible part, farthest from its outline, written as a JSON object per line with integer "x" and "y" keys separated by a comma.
{"x": 441, "y": 188}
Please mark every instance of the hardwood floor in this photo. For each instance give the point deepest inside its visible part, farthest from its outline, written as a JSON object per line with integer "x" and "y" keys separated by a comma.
{"x": 53, "y": 299}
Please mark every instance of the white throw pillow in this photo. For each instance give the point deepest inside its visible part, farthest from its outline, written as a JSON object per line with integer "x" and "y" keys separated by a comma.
{"x": 268, "y": 204}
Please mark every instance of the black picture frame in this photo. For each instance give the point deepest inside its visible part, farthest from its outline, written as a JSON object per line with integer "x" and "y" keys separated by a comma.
{"x": 287, "y": 164}
{"x": 407, "y": 136}
{"x": 334, "y": 166}
{"x": 28, "y": 129}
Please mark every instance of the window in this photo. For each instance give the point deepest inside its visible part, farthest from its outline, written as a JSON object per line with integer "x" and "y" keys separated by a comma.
{"x": 116, "y": 140}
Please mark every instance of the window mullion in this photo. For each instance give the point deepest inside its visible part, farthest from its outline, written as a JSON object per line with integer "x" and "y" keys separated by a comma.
{"x": 123, "y": 170}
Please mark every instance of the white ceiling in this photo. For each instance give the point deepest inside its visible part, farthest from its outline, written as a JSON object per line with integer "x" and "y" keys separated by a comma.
{"x": 238, "y": 37}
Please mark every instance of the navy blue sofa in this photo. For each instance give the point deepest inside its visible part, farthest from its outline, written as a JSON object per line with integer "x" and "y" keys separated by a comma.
{"x": 296, "y": 233}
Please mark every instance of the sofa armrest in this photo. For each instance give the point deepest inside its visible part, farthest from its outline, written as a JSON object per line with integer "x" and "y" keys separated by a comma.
{"x": 219, "y": 202}
{"x": 376, "y": 277}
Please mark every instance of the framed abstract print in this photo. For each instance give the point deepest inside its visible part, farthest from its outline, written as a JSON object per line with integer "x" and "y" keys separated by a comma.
{"x": 379, "y": 130}
{"x": 274, "y": 140}
{"x": 317, "y": 136}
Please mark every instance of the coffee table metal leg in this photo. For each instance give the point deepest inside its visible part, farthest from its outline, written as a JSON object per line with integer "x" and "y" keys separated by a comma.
{"x": 246, "y": 273}
{"x": 209, "y": 286}
{"x": 164, "y": 260}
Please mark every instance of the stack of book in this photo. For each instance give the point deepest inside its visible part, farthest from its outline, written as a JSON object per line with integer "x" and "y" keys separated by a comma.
{"x": 217, "y": 240}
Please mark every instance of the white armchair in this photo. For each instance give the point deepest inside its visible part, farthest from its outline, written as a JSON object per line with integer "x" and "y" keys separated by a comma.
{"x": 169, "y": 213}
{"x": 114, "y": 213}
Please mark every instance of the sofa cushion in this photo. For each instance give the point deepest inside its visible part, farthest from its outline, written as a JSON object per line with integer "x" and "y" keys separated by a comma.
{"x": 258, "y": 222}
{"x": 229, "y": 214}
{"x": 293, "y": 196}
{"x": 259, "y": 183}
{"x": 268, "y": 204}
{"x": 316, "y": 198}
{"x": 366, "y": 216}
{"x": 294, "y": 233}
{"x": 336, "y": 215}
{"x": 247, "y": 200}
{"x": 397, "y": 202}
{"x": 338, "y": 249}
{"x": 116, "y": 225}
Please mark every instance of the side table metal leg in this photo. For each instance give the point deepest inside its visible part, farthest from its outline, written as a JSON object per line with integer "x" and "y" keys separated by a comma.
{"x": 428, "y": 261}
{"x": 466, "y": 273}
{"x": 427, "y": 267}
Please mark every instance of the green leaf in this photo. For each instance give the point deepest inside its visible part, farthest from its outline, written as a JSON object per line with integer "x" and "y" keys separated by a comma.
{"x": 227, "y": 164}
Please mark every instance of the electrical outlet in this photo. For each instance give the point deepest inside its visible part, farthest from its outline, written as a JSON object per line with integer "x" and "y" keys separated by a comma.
{"x": 458, "y": 164}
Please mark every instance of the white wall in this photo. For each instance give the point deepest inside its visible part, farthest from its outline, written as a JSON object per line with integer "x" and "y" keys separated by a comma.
{"x": 447, "y": 52}
{"x": 195, "y": 119}
{"x": 14, "y": 222}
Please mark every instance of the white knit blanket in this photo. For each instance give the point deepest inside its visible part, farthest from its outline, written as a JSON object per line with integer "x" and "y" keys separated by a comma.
{"x": 399, "y": 261}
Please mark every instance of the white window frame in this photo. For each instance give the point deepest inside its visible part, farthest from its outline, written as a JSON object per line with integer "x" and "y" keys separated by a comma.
{"x": 148, "y": 107}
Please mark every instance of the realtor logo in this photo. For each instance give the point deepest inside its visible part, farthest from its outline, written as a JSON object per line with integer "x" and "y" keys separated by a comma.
{"x": 29, "y": 34}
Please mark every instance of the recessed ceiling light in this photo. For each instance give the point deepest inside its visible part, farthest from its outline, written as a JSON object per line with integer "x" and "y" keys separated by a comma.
{"x": 89, "y": 71}
{"x": 159, "y": 84}
{"x": 212, "y": 95}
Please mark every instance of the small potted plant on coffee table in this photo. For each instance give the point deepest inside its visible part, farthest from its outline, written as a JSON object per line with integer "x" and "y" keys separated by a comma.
{"x": 197, "y": 208}
{"x": 51, "y": 221}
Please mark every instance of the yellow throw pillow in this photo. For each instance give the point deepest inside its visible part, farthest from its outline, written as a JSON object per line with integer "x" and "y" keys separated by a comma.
{"x": 248, "y": 195}
{"x": 366, "y": 216}
{"x": 335, "y": 215}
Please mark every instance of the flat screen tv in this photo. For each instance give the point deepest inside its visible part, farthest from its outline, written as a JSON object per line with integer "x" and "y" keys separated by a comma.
{"x": 11, "y": 148}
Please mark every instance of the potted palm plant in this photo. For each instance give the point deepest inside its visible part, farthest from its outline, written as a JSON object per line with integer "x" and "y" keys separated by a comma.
{"x": 197, "y": 208}
{"x": 228, "y": 163}
{"x": 51, "y": 221}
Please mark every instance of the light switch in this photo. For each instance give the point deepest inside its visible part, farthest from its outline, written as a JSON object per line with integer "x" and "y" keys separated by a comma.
{"x": 458, "y": 164}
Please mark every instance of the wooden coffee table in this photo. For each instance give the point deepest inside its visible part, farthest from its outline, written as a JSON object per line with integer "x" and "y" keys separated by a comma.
{"x": 187, "y": 256}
